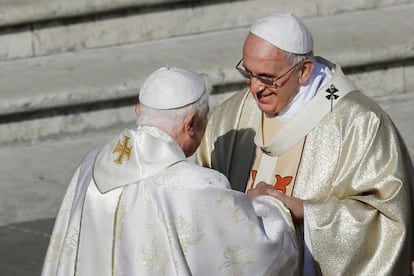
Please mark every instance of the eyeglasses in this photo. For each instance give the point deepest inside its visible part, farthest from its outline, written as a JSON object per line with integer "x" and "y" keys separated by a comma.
{"x": 267, "y": 81}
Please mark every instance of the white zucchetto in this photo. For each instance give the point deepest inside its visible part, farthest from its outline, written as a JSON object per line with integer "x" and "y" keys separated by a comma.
{"x": 285, "y": 31}
{"x": 171, "y": 87}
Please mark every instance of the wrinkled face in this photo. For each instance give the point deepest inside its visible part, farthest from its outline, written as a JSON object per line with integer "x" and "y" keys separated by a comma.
{"x": 263, "y": 59}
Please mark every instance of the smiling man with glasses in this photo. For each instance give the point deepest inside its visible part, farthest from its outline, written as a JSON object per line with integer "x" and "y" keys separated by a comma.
{"x": 304, "y": 133}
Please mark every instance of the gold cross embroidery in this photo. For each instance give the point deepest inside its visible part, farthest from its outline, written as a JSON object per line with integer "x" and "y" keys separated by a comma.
{"x": 122, "y": 149}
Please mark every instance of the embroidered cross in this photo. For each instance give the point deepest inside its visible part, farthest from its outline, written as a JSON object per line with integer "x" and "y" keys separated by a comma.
{"x": 280, "y": 184}
{"x": 123, "y": 150}
{"x": 332, "y": 96}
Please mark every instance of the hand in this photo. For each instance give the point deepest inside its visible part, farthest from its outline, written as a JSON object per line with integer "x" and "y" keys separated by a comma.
{"x": 295, "y": 205}
{"x": 260, "y": 189}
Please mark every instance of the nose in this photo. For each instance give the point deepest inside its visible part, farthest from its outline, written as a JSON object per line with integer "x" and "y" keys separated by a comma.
{"x": 256, "y": 86}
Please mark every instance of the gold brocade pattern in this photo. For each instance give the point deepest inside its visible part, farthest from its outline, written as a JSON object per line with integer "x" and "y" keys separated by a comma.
{"x": 235, "y": 259}
{"x": 179, "y": 220}
{"x": 65, "y": 245}
{"x": 190, "y": 234}
{"x": 352, "y": 177}
{"x": 226, "y": 204}
{"x": 154, "y": 257}
{"x": 253, "y": 235}
{"x": 169, "y": 180}
{"x": 362, "y": 180}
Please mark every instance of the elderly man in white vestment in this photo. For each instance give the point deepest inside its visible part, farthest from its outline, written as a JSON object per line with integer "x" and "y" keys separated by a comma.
{"x": 139, "y": 207}
{"x": 305, "y": 134}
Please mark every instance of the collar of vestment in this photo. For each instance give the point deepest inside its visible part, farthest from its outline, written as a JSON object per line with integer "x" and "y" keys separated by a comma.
{"x": 320, "y": 76}
{"x": 309, "y": 116}
{"x": 134, "y": 155}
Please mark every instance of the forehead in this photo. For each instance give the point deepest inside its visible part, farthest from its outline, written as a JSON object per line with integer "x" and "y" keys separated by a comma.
{"x": 259, "y": 48}
{"x": 259, "y": 52}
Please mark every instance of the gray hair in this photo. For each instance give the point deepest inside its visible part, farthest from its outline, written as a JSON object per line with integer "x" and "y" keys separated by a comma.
{"x": 170, "y": 120}
{"x": 296, "y": 58}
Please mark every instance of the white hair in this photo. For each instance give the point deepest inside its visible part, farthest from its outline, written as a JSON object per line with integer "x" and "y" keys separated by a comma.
{"x": 296, "y": 58}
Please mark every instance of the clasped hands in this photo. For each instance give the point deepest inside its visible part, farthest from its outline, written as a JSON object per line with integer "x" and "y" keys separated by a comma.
{"x": 295, "y": 205}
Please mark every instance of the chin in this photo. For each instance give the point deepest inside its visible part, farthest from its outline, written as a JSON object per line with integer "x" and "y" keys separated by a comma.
{"x": 267, "y": 109}
{"x": 271, "y": 114}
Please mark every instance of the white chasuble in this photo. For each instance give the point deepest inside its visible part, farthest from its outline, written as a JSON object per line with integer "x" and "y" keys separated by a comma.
{"x": 138, "y": 207}
{"x": 97, "y": 224}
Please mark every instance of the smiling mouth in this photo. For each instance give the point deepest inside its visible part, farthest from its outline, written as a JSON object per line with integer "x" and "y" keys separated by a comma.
{"x": 264, "y": 94}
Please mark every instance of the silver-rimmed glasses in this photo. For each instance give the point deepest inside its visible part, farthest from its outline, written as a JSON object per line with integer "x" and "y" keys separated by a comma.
{"x": 267, "y": 81}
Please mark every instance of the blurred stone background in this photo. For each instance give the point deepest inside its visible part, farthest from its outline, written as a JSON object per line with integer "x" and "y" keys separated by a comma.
{"x": 70, "y": 72}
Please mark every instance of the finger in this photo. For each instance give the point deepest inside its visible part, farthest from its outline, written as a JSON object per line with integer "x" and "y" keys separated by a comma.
{"x": 252, "y": 193}
{"x": 276, "y": 193}
{"x": 263, "y": 185}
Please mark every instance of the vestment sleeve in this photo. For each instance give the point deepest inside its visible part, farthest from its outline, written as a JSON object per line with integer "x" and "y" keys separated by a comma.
{"x": 363, "y": 215}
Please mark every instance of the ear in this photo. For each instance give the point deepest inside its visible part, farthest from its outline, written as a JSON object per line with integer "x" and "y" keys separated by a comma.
{"x": 306, "y": 71}
{"x": 189, "y": 124}
{"x": 137, "y": 107}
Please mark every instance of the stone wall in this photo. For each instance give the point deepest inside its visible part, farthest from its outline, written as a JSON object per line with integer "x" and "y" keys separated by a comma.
{"x": 35, "y": 28}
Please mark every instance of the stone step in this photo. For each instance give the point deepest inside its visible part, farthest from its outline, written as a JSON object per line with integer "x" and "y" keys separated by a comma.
{"x": 23, "y": 247}
{"x": 34, "y": 177}
{"x": 27, "y": 12}
{"x": 80, "y": 91}
{"x": 35, "y": 28}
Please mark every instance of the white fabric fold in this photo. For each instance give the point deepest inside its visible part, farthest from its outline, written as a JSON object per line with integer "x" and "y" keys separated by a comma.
{"x": 320, "y": 77}
{"x": 151, "y": 150}
{"x": 163, "y": 223}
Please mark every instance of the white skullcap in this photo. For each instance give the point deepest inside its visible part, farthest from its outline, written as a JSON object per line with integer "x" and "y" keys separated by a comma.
{"x": 285, "y": 31}
{"x": 171, "y": 87}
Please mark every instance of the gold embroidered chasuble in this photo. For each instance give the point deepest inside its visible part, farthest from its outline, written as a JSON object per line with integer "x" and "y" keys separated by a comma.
{"x": 138, "y": 207}
{"x": 354, "y": 176}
